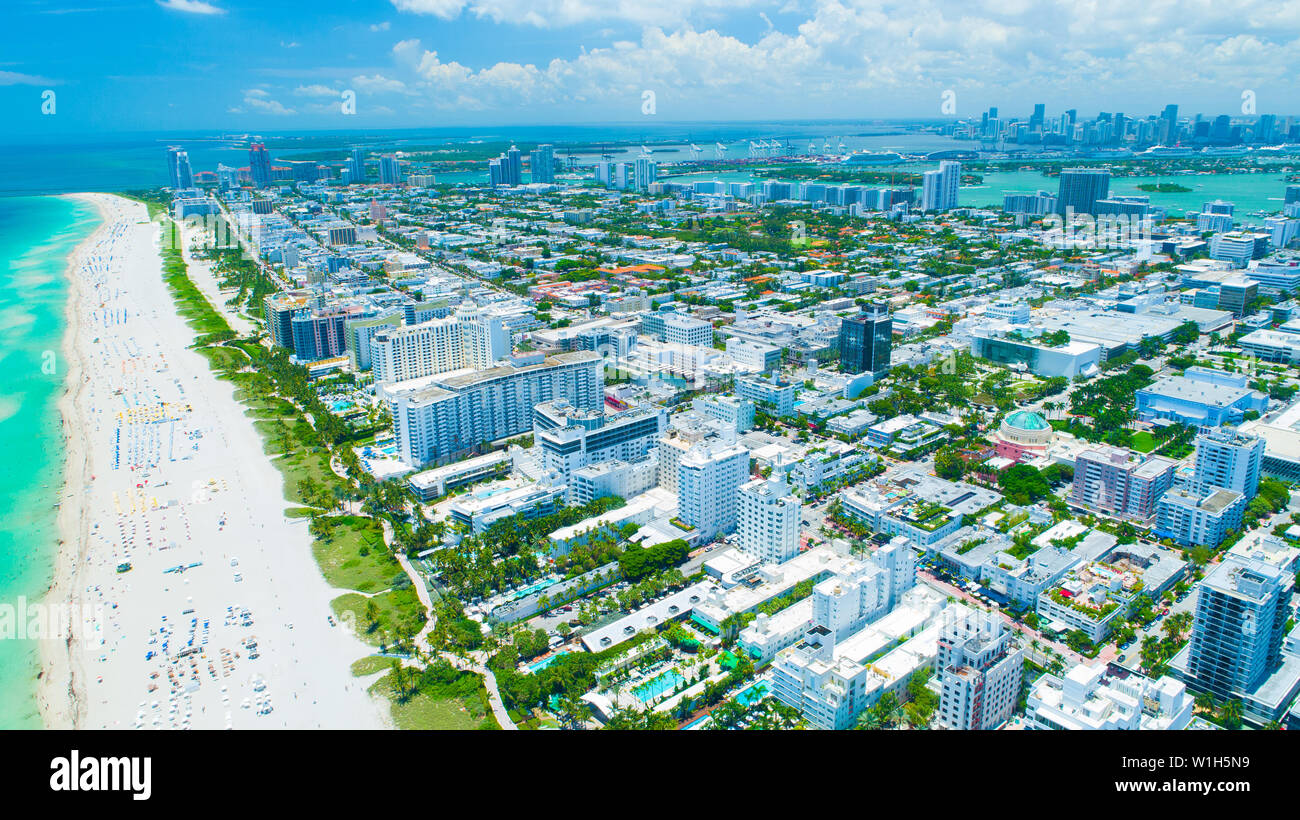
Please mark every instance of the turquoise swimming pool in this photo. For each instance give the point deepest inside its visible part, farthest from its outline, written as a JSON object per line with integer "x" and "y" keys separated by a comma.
{"x": 542, "y": 664}
{"x": 753, "y": 694}
{"x": 656, "y": 686}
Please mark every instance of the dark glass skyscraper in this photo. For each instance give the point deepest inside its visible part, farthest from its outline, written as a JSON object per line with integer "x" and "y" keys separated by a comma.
{"x": 259, "y": 165}
{"x": 178, "y": 167}
{"x": 866, "y": 341}
{"x": 1080, "y": 188}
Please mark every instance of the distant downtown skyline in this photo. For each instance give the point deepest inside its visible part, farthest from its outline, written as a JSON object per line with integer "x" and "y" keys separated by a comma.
{"x": 269, "y": 67}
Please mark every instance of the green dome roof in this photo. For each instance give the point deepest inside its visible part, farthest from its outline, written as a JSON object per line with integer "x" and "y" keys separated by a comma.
{"x": 1027, "y": 420}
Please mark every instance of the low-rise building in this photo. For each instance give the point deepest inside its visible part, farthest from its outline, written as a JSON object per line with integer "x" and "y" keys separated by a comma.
{"x": 1087, "y": 698}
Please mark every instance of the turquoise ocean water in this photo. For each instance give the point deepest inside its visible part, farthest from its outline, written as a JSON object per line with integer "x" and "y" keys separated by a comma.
{"x": 37, "y": 235}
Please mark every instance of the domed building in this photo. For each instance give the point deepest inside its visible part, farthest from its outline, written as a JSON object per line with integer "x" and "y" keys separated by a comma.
{"x": 1023, "y": 436}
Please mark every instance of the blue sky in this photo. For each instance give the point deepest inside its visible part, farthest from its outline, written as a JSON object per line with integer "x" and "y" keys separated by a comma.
{"x": 127, "y": 65}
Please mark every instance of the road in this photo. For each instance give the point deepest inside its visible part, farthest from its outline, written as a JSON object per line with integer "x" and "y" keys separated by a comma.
{"x": 477, "y": 665}
{"x": 956, "y": 592}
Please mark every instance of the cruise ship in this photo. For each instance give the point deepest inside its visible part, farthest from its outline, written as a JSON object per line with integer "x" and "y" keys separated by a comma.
{"x": 872, "y": 158}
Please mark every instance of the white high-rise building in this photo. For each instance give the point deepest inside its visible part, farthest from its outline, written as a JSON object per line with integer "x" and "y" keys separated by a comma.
{"x": 417, "y": 351}
{"x": 471, "y": 338}
{"x": 570, "y": 438}
{"x": 767, "y": 519}
{"x": 644, "y": 172}
{"x": 708, "y": 482}
{"x": 484, "y": 337}
{"x": 980, "y": 667}
{"x": 939, "y": 188}
{"x": 447, "y": 416}
{"x": 1228, "y": 459}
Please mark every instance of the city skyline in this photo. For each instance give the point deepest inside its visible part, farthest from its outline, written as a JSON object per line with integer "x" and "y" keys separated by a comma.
{"x": 409, "y": 63}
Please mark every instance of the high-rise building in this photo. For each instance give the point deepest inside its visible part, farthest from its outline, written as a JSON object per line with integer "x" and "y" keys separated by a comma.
{"x": 644, "y": 172}
{"x": 1228, "y": 459}
{"x": 767, "y": 520}
{"x": 1264, "y": 127}
{"x": 1121, "y": 482}
{"x": 227, "y": 177}
{"x": 709, "y": 477}
{"x": 278, "y": 309}
{"x": 470, "y": 339}
{"x": 1221, "y": 130}
{"x": 259, "y": 165}
{"x": 358, "y": 166}
{"x": 319, "y": 334}
{"x": 939, "y": 188}
{"x": 979, "y": 669}
{"x": 402, "y": 353}
{"x": 178, "y": 167}
{"x": 390, "y": 170}
{"x": 361, "y": 330}
{"x": 483, "y": 336}
{"x": 541, "y": 163}
{"x": 1169, "y": 125}
{"x": 507, "y": 169}
{"x": 514, "y": 164}
{"x": 1241, "y": 611}
{"x": 447, "y": 416}
{"x": 1080, "y": 188}
{"x": 1036, "y": 119}
{"x": 1202, "y": 517}
{"x": 866, "y": 341}
{"x": 570, "y": 438}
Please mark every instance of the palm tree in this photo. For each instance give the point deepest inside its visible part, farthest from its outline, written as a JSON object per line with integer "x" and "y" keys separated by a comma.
{"x": 402, "y": 678}
{"x": 1205, "y": 701}
{"x": 1231, "y": 713}
{"x": 870, "y": 720}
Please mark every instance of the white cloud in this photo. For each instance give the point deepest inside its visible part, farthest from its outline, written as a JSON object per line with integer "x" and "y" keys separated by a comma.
{"x": 259, "y": 99}
{"x": 191, "y": 6}
{"x": 559, "y": 13}
{"x": 315, "y": 90}
{"x": 379, "y": 84}
{"x": 384, "y": 26}
{"x": 856, "y": 57}
{"x": 18, "y": 78}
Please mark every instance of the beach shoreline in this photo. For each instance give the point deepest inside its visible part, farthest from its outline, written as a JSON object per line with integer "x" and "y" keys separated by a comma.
{"x": 57, "y": 694}
{"x": 187, "y": 499}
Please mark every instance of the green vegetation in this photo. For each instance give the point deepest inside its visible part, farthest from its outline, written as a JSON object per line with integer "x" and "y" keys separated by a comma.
{"x": 386, "y": 620}
{"x": 637, "y": 562}
{"x": 1143, "y": 442}
{"x": 437, "y": 697}
{"x": 1163, "y": 188}
{"x": 352, "y": 555}
{"x": 1023, "y": 484}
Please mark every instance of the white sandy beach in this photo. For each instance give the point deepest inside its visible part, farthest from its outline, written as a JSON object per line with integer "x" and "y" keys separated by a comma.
{"x": 165, "y": 471}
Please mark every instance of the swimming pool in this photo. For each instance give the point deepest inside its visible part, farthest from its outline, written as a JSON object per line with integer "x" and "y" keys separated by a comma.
{"x": 753, "y": 694}
{"x": 542, "y": 664}
{"x": 657, "y": 685}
